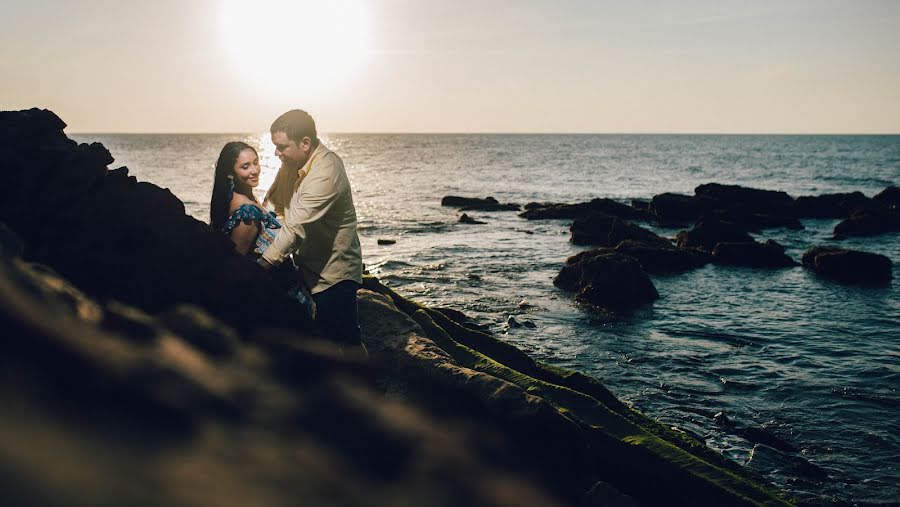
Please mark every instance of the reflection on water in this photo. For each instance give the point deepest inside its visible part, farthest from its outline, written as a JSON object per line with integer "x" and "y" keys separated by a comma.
{"x": 802, "y": 372}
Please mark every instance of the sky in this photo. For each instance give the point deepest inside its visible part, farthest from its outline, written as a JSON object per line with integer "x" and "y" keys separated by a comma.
{"x": 653, "y": 66}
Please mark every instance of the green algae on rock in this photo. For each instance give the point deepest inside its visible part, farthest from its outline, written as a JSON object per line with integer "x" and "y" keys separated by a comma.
{"x": 622, "y": 448}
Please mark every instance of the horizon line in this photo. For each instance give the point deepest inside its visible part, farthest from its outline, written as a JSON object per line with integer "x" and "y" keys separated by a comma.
{"x": 514, "y": 133}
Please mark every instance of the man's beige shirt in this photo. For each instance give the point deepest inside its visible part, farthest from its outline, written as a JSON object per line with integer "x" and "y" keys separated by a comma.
{"x": 320, "y": 224}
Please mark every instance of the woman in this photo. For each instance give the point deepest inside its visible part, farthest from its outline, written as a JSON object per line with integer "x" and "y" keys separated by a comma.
{"x": 235, "y": 211}
{"x": 233, "y": 208}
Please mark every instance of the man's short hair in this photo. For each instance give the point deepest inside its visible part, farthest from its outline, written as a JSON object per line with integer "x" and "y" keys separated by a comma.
{"x": 296, "y": 124}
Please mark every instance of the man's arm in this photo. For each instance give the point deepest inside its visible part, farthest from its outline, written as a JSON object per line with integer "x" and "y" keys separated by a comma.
{"x": 318, "y": 195}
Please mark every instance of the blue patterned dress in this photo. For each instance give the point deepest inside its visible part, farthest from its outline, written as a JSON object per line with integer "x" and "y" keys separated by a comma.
{"x": 253, "y": 213}
{"x": 286, "y": 275}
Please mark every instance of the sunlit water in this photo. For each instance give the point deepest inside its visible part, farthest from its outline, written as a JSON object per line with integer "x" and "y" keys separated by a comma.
{"x": 814, "y": 363}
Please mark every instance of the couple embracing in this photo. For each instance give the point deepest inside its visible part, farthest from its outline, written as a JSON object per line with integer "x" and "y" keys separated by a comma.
{"x": 313, "y": 250}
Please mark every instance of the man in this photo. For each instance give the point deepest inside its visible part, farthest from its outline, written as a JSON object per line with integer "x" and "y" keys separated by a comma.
{"x": 319, "y": 226}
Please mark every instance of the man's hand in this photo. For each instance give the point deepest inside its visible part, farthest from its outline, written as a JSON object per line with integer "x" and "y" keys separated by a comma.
{"x": 266, "y": 265}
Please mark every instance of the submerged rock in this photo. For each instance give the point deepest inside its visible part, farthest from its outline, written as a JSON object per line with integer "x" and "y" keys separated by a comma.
{"x": 607, "y": 279}
{"x": 752, "y": 254}
{"x": 383, "y": 241}
{"x": 493, "y": 207}
{"x": 459, "y": 202}
{"x": 466, "y": 219}
{"x": 606, "y": 230}
{"x": 545, "y": 211}
{"x": 849, "y": 266}
{"x": 477, "y": 204}
{"x": 709, "y": 232}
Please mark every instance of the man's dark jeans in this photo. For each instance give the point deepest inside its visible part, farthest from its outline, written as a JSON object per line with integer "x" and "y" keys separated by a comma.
{"x": 337, "y": 314}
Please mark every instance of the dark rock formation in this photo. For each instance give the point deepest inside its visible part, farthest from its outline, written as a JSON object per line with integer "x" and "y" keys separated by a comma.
{"x": 605, "y": 230}
{"x": 830, "y": 205}
{"x": 641, "y": 204}
{"x": 545, "y": 211}
{"x": 751, "y": 208}
{"x": 261, "y": 421}
{"x": 607, "y": 279}
{"x": 679, "y": 209}
{"x": 621, "y": 447}
{"x": 752, "y": 254}
{"x": 872, "y": 220}
{"x": 11, "y": 245}
{"x": 477, "y": 204}
{"x": 751, "y": 200}
{"x": 849, "y": 266}
{"x": 460, "y": 202}
{"x": 889, "y": 197}
{"x": 383, "y": 241}
{"x": 757, "y": 221}
{"x": 493, "y": 207}
{"x": 709, "y": 232}
{"x": 658, "y": 259}
{"x": 466, "y": 219}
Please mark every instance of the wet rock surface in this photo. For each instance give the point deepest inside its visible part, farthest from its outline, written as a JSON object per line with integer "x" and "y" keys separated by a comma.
{"x": 606, "y": 230}
{"x": 830, "y": 205}
{"x": 889, "y": 197}
{"x": 752, "y": 254}
{"x": 870, "y": 220}
{"x": 751, "y": 200}
{"x": 607, "y": 279}
{"x": 478, "y": 204}
{"x": 679, "y": 209}
{"x": 709, "y": 232}
{"x": 659, "y": 259}
{"x": 849, "y": 266}
{"x": 546, "y": 211}
{"x": 466, "y": 219}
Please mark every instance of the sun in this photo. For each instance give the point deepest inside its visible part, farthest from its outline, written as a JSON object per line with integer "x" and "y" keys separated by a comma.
{"x": 296, "y": 46}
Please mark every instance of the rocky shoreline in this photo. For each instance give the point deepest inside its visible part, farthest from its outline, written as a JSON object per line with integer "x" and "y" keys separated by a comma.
{"x": 721, "y": 217}
{"x": 135, "y": 375}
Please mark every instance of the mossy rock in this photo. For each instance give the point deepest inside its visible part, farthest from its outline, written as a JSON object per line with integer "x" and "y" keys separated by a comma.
{"x": 628, "y": 450}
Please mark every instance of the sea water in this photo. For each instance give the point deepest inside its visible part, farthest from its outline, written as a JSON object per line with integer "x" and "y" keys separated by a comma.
{"x": 812, "y": 366}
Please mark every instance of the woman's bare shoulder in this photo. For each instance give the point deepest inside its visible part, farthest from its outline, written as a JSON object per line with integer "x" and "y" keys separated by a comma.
{"x": 238, "y": 200}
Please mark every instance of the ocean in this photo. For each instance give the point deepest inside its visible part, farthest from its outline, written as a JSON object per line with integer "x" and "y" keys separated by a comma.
{"x": 811, "y": 366}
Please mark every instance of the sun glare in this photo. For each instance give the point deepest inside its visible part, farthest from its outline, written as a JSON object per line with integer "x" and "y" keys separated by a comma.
{"x": 298, "y": 46}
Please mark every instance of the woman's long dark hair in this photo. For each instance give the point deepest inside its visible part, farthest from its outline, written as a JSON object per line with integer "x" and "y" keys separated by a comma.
{"x": 219, "y": 204}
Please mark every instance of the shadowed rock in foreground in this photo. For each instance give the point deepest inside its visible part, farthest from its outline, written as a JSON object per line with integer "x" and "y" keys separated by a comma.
{"x": 136, "y": 376}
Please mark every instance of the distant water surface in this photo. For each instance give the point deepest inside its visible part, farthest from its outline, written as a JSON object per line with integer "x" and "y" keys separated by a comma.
{"x": 812, "y": 364}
